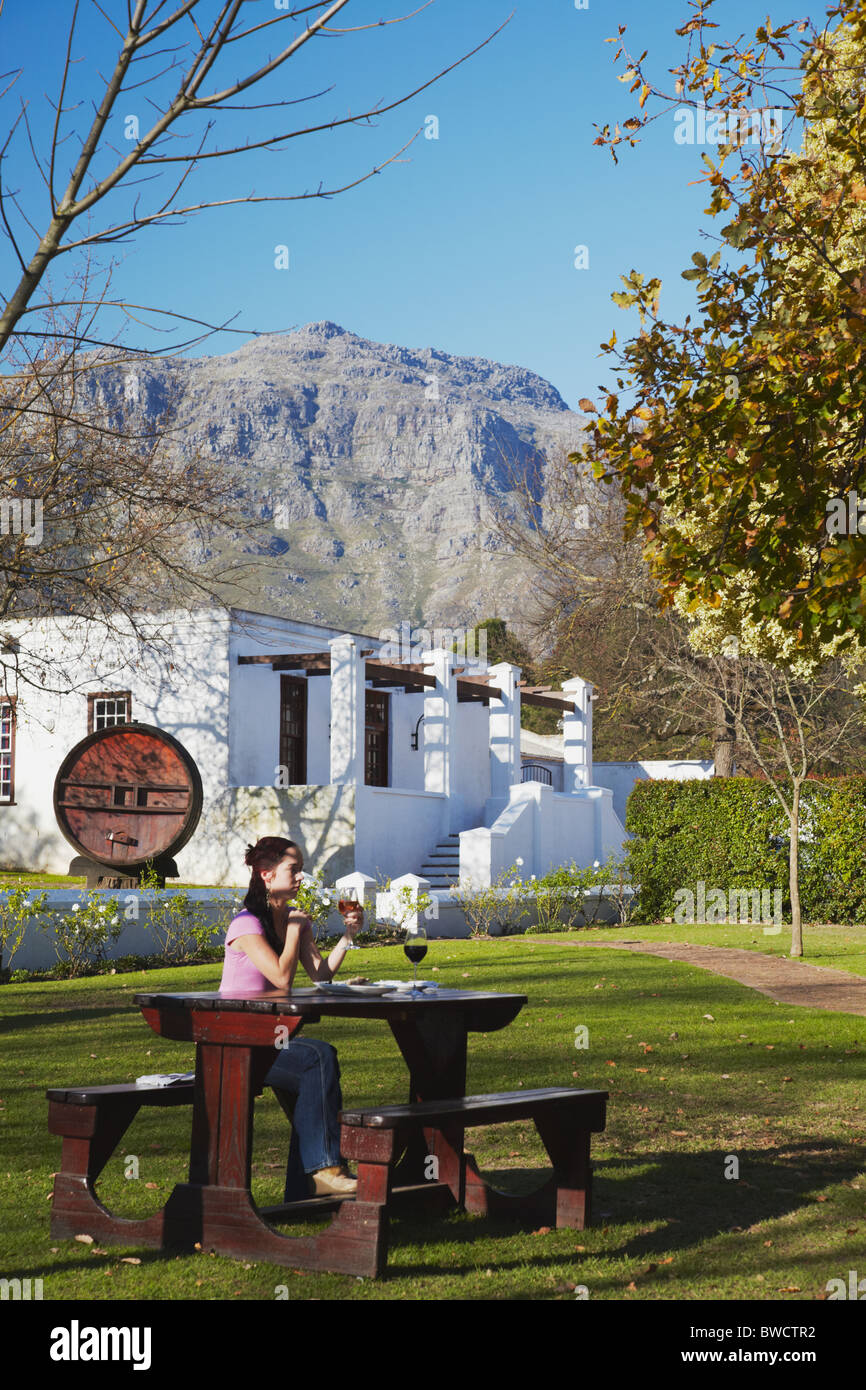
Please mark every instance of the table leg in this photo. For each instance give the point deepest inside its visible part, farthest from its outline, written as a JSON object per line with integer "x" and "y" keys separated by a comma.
{"x": 435, "y": 1053}
{"x": 220, "y": 1172}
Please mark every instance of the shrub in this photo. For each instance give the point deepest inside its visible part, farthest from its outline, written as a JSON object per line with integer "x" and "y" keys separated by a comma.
{"x": 502, "y": 904}
{"x": 82, "y": 936}
{"x": 731, "y": 833}
{"x": 182, "y": 925}
{"x": 15, "y": 913}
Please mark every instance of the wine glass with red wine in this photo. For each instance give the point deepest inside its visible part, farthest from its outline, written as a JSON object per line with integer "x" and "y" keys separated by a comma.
{"x": 415, "y": 949}
{"x": 345, "y": 906}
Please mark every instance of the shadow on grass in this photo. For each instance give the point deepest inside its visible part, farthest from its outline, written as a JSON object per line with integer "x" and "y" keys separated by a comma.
{"x": 687, "y": 1193}
{"x": 13, "y": 1022}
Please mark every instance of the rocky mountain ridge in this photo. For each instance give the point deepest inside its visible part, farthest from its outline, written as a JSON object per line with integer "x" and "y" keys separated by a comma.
{"x": 376, "y": 470}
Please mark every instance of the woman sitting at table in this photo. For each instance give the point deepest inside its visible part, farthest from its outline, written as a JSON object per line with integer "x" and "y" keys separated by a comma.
{"x": 263, "y": 946}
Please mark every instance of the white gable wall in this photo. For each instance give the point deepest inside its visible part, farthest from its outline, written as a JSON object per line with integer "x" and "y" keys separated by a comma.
{"x": 184, "y": 692}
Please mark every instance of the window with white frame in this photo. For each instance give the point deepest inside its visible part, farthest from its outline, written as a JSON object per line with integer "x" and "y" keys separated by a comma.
{"x": 7, "y": 750}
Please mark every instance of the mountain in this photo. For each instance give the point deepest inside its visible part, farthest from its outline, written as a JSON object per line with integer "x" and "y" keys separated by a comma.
{"x": 375, "y": 469}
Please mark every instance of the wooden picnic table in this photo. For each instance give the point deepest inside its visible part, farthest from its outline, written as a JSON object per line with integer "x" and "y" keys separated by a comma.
{"x": 235, "y": 1037}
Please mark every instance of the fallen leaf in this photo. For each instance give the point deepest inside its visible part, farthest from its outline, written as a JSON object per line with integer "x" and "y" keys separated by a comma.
{"x": 710, "y": 1017}
{"x": 680, "y": 1133}
{"x": 85, "y": 1240}
{"x": 542, "y": 1231}
{"x": 130, "y": 1260}
{"x": 768, "y": 1243}
{"x": 643, "y": 1069}
{"x": 611, "y": 1064}
{"x": 790, "y": 1288}
{"x": 668, "y": 1261}
{"x": 152, "y": 1185}
{"x": 632, "y": 1285}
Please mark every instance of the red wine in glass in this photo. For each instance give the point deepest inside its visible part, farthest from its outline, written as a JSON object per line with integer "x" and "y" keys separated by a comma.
{"x": 345, "y": 907}
{"x": 415, "y": 949}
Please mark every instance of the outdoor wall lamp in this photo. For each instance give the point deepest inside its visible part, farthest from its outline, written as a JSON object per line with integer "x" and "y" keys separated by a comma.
{"x": 414, "y": 736}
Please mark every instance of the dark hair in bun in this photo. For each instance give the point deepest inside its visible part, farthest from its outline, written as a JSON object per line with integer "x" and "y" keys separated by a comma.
{"x": 264, "y": 854}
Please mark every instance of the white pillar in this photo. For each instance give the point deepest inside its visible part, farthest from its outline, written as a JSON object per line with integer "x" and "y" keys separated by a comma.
{"x": 348, "y": 712}
{"x": 440, "y": 735}
{"x": 361, "y": 886}
{"x": 399, "y": 904}
{"x": 577, "y": 736}
{"x": 504, "y": 730}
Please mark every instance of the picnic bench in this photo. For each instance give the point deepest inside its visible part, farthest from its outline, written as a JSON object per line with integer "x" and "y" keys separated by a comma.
{"x": 565, "y": 1119}
{"x": 391, "y": 1145}
{"x": 92, "y": 1120}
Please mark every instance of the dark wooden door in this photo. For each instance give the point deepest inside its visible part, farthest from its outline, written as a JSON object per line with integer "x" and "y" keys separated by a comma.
{"x": 376, "y": 739}
{"x": 293, "y": 728}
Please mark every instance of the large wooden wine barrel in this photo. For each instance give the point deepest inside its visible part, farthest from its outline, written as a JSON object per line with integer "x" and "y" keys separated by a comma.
{"x": 128, "y": 794}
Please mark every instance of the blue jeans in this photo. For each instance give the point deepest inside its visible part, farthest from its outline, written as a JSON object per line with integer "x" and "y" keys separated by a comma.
{"x": 307, "y": 1072}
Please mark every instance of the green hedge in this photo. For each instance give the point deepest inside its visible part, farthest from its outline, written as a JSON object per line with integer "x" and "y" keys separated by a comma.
{"x": 731, "y": 832}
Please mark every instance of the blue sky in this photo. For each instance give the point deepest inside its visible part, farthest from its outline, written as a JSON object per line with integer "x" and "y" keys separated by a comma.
{"x": 468, "y": 246}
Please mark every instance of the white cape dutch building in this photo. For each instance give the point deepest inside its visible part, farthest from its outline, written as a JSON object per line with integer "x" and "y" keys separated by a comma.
{"x": 372, "y": 763}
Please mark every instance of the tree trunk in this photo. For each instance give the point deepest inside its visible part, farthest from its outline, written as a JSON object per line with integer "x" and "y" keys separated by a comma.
{"x": 724, "y": 741}
{"x": 794, "y": 875}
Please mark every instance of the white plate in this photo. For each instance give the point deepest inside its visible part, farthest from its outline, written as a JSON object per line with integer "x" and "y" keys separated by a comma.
{"x": 340, "y": 987}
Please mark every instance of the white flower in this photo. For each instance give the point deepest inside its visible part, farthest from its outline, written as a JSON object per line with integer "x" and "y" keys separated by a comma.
{"x": 595, "y": 863}
{"x": 532, "y": 880}
{"x": 519, "y": 861}
{"x": 76, "y": 907}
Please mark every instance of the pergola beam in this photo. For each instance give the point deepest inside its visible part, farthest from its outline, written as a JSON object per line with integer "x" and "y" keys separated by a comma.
{"x": 412, "y": 677}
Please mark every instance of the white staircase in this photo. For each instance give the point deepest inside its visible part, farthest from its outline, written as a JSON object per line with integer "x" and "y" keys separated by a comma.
{"x": 442, "y": 865}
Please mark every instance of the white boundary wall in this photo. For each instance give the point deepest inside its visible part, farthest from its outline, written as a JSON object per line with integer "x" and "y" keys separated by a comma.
{"x": 621, "y": 778}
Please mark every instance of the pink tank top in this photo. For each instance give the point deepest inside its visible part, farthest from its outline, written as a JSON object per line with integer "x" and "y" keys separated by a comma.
{"x": 240, "y": 976}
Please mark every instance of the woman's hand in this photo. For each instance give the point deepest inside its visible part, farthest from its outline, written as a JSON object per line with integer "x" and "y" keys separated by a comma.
{"x": 353, "y": 922}
{"x": 301, "y": 920}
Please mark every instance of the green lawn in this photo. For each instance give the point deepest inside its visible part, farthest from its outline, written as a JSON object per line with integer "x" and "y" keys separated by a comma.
{"x": 10, "y": 878}
{"x": 841, "y": 948}
{"x": 776, "y": 1088}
